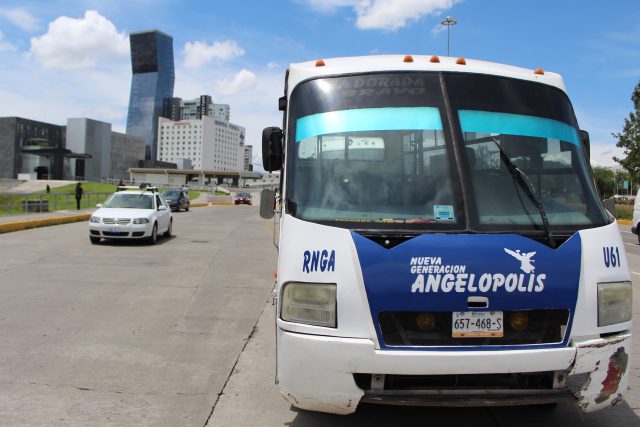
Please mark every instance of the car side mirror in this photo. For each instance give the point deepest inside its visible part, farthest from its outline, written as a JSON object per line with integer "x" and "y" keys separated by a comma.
{"x": 267, "y": 203}
{"x": 272, "y": 155}
{"x": 586, "y": 142}
{"x": 162, "y": 208}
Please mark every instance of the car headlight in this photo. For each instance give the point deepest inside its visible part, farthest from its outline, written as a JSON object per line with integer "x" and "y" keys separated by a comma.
{"x": 310, "y": 303}
{"x": 141, "y": 221}
{"x": 614, "y": 303}
{"x": 94, "y": 219}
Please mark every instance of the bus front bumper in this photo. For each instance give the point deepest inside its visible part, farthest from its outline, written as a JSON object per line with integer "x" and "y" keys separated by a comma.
{"x": 317, "y": 373}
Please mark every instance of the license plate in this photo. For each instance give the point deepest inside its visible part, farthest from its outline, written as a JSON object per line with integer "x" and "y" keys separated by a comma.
{"x": 114, "y": 229}
{"x": 473, "y": 324}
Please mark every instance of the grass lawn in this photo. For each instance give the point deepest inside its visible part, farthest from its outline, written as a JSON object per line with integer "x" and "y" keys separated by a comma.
{"x": 624, "y": 211}
{"x": 63, "y": 198}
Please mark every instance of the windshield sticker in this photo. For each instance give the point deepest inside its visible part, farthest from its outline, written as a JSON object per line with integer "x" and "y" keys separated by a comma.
{"x": 516, "y": 124}
{"x": 443, "y": 212}
{"x": 366, "y": 119}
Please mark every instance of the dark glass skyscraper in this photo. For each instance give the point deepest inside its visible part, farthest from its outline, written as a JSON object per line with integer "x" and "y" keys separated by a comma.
{"x": 153, "y": 79}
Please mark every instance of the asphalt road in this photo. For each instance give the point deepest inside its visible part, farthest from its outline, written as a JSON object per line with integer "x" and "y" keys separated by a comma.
{"x": 132, "y": 335}
{"x": 123, "y": 334}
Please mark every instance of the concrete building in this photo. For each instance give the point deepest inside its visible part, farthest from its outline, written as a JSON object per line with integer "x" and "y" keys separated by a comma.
{"x": 34, "y": 148}
{"x": 248, "y": 157}
{"x": 127, "y": 151}
{"x": 112, "y": 153}
{"x": 94, "y": 138}
{"x": 152, "y": 83}
{"x": 210, "y": 144}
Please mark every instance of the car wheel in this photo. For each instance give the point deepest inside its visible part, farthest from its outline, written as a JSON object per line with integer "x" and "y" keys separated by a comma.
{"x": 94, "y": 240}
{"x": 167, "y": 233}
{"x": 187, "y": 208}
{"x": 154, "y": 235}
{"x": 639, "y": 237}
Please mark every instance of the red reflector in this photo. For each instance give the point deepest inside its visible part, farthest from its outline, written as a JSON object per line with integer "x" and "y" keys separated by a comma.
{"x": 435, "y": 59}
{"x": 461, "y": 61}
{"x": 320, "y": 63}
{"x": 539, "y": 71}
{"x": 408, "y": 58}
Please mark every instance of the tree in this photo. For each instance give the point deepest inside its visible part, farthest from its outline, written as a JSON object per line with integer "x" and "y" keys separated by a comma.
{"x": 629, "y": 138}
{"x": 605, "y": 181}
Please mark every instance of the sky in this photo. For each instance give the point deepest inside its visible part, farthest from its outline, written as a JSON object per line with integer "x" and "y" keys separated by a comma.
{"x": 70, "y": 58}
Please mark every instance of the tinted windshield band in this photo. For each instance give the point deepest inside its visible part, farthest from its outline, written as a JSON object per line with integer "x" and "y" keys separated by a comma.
{"x": 368, "y": 119}
{"x": 516, "y": 124}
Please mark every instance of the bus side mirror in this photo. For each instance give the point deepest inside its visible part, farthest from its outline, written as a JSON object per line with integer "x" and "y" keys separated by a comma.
{"x": 267, "y": 203}
{"x": 586, "y": 143}
{"x": 272, "y": 149}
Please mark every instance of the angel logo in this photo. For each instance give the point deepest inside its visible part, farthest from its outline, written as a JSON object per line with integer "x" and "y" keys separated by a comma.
{"x": 524, "y": 258}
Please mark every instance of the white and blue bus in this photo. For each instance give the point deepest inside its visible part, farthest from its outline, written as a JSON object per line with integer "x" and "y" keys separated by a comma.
{"x": 441, "y": 241}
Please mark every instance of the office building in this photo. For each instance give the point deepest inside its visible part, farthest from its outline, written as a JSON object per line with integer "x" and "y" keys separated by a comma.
{"x": 210, "y": 144}
{"x": 190, "y": 109}
{"x": 152, "y": 82}
{"x": 248, "y": 158}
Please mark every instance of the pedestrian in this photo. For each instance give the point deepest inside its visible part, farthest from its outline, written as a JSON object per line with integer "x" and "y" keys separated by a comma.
{"x": 120, "y": 184}
{"x": 48, "y": 189}
{"x": 79, "y": 193}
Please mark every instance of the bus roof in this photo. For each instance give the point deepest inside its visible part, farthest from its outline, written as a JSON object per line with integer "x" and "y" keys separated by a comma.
{"x": 301, "y": 71}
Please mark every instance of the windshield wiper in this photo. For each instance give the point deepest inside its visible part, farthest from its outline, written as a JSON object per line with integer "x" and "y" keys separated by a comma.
{"x": 523, "y": 179}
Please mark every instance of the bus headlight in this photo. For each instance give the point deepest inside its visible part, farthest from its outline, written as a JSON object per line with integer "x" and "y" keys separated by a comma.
{"x": 310, "y": 303}
{"x": 614, "y": 303}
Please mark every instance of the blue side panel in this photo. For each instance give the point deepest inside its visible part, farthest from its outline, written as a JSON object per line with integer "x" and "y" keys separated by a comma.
{"x": 425, "y": 118}
{"x": 516, "y": 124}
{"x": 438, "y": 272}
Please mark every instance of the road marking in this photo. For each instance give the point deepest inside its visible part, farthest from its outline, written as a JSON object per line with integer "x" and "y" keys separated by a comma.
{"x": 632, "y": 244}
{"x": 633, "y": 272}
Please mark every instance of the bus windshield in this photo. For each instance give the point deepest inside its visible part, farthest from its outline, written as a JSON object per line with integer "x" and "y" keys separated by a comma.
{"x": 377, "y": 151}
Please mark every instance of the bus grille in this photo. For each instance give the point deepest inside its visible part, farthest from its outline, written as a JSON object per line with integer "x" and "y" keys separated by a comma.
{"x": 400, "y": 328}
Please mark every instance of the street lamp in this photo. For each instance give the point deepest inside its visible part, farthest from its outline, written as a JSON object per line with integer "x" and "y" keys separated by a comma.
{"x": 448, "y": 21}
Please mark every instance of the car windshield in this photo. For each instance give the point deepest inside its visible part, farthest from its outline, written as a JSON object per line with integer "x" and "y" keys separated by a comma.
{"x": 129, "y": 201}
{"x": 171, "y": 193}
{"x": 243, "y": 195}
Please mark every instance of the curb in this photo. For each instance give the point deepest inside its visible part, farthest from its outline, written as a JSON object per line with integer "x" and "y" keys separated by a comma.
{"x": 8, "y": 227}
{"x": 623, "y": 221}
{"x": 42, "y": 222}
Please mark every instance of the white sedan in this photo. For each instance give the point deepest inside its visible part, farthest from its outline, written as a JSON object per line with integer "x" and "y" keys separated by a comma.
{"x": 137, "y": 214}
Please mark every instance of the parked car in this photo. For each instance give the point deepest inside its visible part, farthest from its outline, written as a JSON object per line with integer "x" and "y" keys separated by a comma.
{"x": 131, "y": 214}
{"x": 177, "y": 199}
{"x": 243, "y": 198}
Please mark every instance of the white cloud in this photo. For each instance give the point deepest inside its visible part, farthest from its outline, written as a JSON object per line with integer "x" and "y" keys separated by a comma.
{"x": 198, "y": 54}
{"x": 5, "y": 46}
{"x": 385, "y": 14}
{"x": 21, "y": 18}
{"x": 273, "y": 65}
{"x": 79, "y": 43}
{"x": 243, "y": 81}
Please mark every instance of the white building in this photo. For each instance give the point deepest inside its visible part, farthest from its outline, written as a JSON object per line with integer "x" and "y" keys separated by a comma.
{"x": 209, "y": 143}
